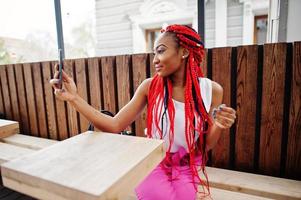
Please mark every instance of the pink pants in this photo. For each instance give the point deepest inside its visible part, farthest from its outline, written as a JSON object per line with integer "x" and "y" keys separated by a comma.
{"x": 175, "y": 183}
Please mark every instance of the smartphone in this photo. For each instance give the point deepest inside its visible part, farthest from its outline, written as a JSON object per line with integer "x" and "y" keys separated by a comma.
{"x": 60, "y": 84}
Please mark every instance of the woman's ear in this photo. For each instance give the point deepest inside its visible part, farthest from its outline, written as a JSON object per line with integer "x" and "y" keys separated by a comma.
{"x": 185, "y": 53}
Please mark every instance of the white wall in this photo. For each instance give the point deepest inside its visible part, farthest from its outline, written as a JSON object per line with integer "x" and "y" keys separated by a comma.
{"x": 293, "y": 16}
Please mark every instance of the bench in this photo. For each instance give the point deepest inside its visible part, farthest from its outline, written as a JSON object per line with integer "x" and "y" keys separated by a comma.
{"x": 224, "y": 184}
{"x": 14, "y": 145}
{"x": 266, "y": 187}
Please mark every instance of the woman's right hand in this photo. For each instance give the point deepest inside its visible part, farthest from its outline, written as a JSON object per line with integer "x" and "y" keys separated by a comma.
{"x": 68, "y": 91}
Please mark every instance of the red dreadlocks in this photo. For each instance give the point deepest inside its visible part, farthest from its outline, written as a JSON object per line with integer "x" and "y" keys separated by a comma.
{"x": 196, "y": 117}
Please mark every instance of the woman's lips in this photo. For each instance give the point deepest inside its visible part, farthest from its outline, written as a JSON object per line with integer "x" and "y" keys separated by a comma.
{"x": 158, "y": 68}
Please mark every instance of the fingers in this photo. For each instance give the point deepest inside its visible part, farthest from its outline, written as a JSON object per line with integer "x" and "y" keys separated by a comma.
{"x": 224, "y": 116}
{"x": 66, "y": 78}
{"x": 59, "y": 92}
{"x": 55, "y": 83}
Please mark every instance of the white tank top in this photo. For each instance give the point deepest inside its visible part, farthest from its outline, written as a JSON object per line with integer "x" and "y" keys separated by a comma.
{"x": 179, "y": 128}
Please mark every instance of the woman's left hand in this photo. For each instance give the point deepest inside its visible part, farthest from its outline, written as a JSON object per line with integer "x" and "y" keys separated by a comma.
{"x": 224, "y": 117}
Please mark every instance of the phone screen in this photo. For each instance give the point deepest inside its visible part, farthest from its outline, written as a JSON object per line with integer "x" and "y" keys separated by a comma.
{"x": 60, "y": 68}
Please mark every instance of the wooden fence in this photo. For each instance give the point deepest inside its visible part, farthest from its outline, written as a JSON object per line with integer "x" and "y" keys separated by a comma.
{"x": 263, "y": 83}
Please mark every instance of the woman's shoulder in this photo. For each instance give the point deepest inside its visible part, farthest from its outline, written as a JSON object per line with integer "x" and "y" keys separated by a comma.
{"x": 144, "y": 86}
{"x": 216, "y": 87}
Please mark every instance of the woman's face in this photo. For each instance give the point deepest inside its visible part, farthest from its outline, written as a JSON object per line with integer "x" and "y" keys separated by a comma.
{"x": 167, "y": 56}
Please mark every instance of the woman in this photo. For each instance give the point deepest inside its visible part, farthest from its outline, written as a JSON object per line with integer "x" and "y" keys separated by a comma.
{"x": 181, "y": 105}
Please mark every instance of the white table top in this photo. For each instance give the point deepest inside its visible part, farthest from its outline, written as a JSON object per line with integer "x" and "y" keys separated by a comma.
{"x": 88, "y": 166}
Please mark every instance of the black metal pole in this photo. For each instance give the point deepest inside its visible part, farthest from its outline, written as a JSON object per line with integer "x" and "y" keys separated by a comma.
{"x": 59, "y": 27}
{"x": 201, "y": 19}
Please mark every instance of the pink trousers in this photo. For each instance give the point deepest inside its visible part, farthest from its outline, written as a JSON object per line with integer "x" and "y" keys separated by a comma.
{"x": 172, "y": 183}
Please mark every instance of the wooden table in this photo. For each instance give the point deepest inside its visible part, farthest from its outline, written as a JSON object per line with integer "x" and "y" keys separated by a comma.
{"x": 8, "y": 128}
{"x": 88, "y": 166}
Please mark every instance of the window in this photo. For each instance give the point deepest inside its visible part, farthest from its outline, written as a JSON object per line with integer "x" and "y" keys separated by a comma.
{"x": 260, "y": 29}
{"x": 151, "y": 35}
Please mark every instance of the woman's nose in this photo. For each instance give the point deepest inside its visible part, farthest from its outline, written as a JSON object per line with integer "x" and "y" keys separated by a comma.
{"x": 155, "y": 59}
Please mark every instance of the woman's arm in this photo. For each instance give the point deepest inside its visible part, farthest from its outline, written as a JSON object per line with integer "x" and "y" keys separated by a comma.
{"x": 224, "y": 117}
{"x": 103, "y": 122}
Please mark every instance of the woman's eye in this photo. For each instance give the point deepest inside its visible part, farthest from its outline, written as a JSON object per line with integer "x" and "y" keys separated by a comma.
{"x": 160, "y": 51}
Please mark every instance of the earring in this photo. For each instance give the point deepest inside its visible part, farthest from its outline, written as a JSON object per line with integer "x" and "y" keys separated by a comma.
{"x": 183, "y": 57}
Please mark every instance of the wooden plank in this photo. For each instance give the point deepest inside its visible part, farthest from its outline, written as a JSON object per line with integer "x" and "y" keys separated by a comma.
{"x": 81, "y": 82}
{"x": 2, "y": 110}
{"x": 293, "y": 162}
{"x": 5, "y": 93}
{"x": 21, "y": 90}
{"x": 139, "y": 75}
{"x": 204, "y": 64}
{"x": 151, "y": 64}
{"x": 272, "y": 108}
{"x": 49, "y": 101}
{"x": 31, "y": 101}
{"x": 61, "y": 115}
{"x": 123, "y": 81}
{"x": 109, "y": 93}
{"x": 246, "y": 95}
{"x": 29, "y": 142}
{"x": 221, "y": 73}
{"x": 219, "y": 194}
{"x": 95, "y": 173}
{"x": 9, "y": 152}
{"x": 72, "y": 114}
{"x": 8, "y": 128}
{"x": 40, "y": 101}
{"x": 13, "y": 92}
{"x": 94, "y": 83}
{"x": 253, "y": 184}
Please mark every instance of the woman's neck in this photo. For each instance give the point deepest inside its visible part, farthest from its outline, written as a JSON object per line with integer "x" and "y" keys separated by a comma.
{"x": 178, "y": 78}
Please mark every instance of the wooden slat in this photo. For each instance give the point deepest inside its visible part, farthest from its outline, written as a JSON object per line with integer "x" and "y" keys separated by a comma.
{"x": 109, "y": 94}
{"x": 272, "y": 108}
{"x": 49, "y": 101}
{"x": 81, "y": 82}
{"x": 61, "y": 115}
{"x": 31, "y": 101}
{"x": 72, "y": 114}
{"x": 13, "y": 92}
{"x": 94, "y": 83}
{"x": 8, "y": 128}
{"x": 151, "y": 64}
{"x": 253, "y": 184}
{"x": 204, "y": 64}
{"x": 293, "y": 162}
{"x": 123, "y": 81}
{"x": 2, "y": 110}
{"x": 247, "y": 58}
{"x": 139, "y": 74}
{"x": 220, "y": 194}
{"x": 21, "y": 90}
{"x": 29, "y": 142}
{"x": 9, "y": 152}
{"x": 94, "y": 173}
{"x": 40, "y": 101}
{"x": 5, "y": 93}
{"x": 221, "y": 73}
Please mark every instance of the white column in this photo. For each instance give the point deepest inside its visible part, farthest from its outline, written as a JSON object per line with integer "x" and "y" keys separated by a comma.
{"x": 248, "y": 22}
{"x": 138, "y": 38}
{"x": 273, "y": 21}
{"x": 220, "y": 23}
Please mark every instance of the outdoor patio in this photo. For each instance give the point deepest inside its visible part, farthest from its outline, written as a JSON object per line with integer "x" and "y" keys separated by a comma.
{"x": 262, "y": 82}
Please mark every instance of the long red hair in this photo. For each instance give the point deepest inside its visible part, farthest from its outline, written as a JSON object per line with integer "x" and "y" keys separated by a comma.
{"x": 197, "y": 120}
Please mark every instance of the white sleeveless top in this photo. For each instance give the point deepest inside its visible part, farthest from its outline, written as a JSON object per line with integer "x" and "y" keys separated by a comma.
{"x": 179, "y": 128}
